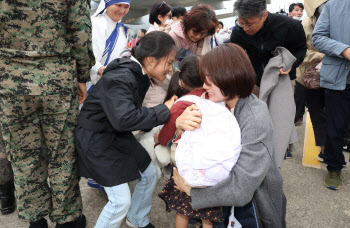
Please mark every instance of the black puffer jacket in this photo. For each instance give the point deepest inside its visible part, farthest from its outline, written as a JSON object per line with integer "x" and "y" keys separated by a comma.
{"x": 108, "y": 151}
{"x": 277, "y": 31}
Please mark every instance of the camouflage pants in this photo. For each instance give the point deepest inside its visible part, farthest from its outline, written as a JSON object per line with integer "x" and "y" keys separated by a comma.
{"x": 6, "y": 173}
{"x": 42, "y": 188}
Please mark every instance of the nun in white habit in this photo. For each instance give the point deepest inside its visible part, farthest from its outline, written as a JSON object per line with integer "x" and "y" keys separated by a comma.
{"x": 109, "y": 34}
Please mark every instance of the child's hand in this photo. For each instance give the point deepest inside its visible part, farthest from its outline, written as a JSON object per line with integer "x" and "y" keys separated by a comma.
{"x": 156, "y": 138}
{"x": 169, "y": 103}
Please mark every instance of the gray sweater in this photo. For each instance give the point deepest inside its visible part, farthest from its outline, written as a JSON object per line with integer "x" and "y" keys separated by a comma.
{"x": 277, "y": 92}
{"x": 255, "y": 174}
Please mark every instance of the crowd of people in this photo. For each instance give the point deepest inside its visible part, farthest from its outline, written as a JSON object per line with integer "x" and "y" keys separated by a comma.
{"x": 176, "y": 77}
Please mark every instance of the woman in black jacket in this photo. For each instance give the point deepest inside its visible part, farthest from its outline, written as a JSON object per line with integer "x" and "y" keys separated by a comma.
{"x": 108, "y": 151}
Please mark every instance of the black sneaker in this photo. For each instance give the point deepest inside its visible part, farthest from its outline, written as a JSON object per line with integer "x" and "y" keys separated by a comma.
{"x": 42, "y": 223}
{"x": 149, "y": 225}
{"x": 7, "y": 198}
{"x": 320, "y": 157}
{"x": 288, "y": 154}
{"x": 299, "y": 122}
{"x": 79, "y": 222}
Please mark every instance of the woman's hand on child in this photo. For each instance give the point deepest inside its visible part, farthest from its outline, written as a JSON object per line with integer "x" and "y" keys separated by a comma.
{"x": 190, "y": 119}
{"x": 169, "y": 103}
{"x": 156, "y": 140}
{"x": 180, "y": 183}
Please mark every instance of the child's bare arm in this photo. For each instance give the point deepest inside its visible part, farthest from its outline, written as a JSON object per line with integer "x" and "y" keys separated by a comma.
{"x": 156, "y": 140}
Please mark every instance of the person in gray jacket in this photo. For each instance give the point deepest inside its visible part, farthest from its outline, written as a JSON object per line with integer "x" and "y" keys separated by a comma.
{"x": 331, "y": 36}
{"x": 255, "y": 181}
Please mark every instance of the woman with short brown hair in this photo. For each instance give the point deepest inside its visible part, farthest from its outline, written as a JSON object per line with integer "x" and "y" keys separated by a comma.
{"x": 231, "y": 72}
{"x": 255, "y": 182}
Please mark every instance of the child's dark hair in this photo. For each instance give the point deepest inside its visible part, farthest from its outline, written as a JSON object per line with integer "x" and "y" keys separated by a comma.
{"x": 188, "y": 74}
{"x": 178, "y": 11}
{"x": 143, "y": 31}
{"x": 159, "y": 8}
{"x": 155, "y": 44}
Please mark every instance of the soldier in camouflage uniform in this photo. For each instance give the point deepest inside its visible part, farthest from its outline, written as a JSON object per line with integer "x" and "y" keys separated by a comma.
{"x": 45, "y": 58}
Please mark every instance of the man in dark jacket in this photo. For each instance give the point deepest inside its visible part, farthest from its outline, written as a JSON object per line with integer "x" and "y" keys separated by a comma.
{"x": 260, "y": 32}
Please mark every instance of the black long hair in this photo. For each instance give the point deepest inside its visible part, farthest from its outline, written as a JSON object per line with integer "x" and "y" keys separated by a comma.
{"x": 188, "y": 74}
{"x": 159, "y": 8}
{"x": 155, "y": 44}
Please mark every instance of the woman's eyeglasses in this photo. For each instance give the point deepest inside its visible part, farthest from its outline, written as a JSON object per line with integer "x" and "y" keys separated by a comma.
{"x": 197, "y": 32}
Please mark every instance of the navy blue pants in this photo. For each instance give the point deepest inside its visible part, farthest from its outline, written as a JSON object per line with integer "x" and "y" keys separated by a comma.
{"x": 247, "y": 216}
{"x": 337, "y": 113}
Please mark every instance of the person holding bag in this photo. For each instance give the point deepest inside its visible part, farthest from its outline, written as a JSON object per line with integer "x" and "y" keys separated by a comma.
{"x": 308, "y": 77}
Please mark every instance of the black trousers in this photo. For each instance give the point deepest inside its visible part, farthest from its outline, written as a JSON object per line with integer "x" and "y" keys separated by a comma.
{"x": 300, "y": 100}
{"x": 315, "y": 102}
{"x": 337, "y": 111}
{"x": 347, "y": 132}
{"x": 314, "y": 99}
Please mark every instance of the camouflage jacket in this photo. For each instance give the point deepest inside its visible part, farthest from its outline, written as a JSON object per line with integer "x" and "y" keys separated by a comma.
{"x": 45, "y": 46}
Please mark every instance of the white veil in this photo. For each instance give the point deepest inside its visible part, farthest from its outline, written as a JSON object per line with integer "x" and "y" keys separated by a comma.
{"x": 102, "y": 7}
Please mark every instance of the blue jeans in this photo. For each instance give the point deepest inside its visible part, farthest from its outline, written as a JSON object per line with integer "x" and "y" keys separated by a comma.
{"x": 121, "y": 204}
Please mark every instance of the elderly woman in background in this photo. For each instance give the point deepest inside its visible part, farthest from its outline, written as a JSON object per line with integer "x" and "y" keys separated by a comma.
{"x": 193, "y": 34}
{"x": 109, "y": 34}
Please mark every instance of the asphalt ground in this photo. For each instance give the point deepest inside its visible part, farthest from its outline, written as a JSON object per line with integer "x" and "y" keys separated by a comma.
{"x": 310, "y": 204}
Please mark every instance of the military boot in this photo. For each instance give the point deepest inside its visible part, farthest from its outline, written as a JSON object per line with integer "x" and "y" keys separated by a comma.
{"x": 7, "y": 198}
{"x": 79, "y": 222}
{"x": 42, "y": 223}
